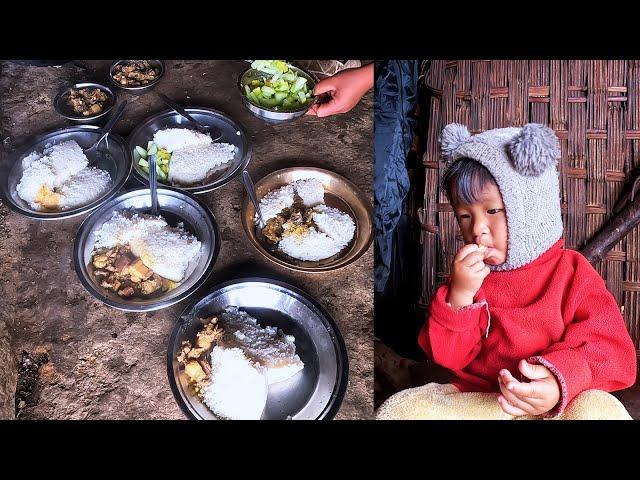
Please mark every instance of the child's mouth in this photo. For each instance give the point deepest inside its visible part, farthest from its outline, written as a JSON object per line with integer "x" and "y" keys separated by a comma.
{"x": 485, "y": 249}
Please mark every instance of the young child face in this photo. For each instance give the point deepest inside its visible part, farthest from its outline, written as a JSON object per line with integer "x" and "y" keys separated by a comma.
{"x": 484, "y": 223}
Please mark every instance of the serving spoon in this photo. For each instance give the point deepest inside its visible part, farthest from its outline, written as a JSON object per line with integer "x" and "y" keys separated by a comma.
{"x": 153, "y": 184}
{"x": 94, "y": 153}
{"x": 214, "y": 132}
{"x": 248, "y": 185}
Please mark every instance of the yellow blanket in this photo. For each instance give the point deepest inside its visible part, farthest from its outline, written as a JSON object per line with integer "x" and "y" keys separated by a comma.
{"x": 436, "y": 401}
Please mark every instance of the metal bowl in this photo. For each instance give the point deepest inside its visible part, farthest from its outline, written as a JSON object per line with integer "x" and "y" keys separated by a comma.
{"x": 268, "y": 114}
{"x": 175, "y": 206}
{"x": 117, "y": 162}
{"x": 144, "y": 88}
{"x": 340, "y": 193}
{"x": 314, "y": 393}
{"x": 62, "y": 106}
{"x": 232, "y": 132}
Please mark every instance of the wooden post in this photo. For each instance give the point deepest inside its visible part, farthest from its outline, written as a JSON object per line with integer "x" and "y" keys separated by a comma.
{"x": 614, "y": 231}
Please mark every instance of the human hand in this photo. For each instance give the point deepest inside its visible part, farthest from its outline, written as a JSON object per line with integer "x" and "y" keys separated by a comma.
{"x": 536, "y": 397}
{"x": 345, "y": 88}
{"x": 467, "y": 274}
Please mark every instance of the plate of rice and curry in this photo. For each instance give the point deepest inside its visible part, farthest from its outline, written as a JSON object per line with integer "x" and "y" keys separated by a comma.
{"x": 314, "y": 220}
{"x": 257, "y": 349}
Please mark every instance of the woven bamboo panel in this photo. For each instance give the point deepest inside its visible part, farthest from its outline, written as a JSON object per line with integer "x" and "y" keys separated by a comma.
{"x": 593, "y": 106}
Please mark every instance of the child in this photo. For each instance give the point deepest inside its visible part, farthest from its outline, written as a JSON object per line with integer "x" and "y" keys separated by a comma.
{"x": 527, "y": 326}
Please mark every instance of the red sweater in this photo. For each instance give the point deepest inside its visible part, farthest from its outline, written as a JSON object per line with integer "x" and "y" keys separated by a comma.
{"x": 555, "y": 311}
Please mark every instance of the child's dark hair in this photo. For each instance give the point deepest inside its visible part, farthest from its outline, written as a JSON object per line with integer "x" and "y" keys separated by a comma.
{"x": 467, "y": 178}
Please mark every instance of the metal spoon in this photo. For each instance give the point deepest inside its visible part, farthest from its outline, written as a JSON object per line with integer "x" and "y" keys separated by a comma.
{"x": 153, "y": 184}
{"x": 93, "y": 152}
{"x": 248, "y": 185}
{"x": 215, "y": 132}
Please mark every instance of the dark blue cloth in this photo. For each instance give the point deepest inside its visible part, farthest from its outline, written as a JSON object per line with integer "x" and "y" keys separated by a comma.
{"x": 395, "y": 97}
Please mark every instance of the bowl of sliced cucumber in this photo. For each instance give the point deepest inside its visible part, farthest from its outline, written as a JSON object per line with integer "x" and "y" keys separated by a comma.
{"x": 276, "y": 91}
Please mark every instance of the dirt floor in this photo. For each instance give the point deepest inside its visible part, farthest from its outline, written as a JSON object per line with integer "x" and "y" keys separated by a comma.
{"x": 95, "y": 362}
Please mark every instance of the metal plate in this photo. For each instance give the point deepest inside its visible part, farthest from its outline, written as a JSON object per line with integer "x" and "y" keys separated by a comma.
{"x": 61, "y": 103}
{"x": 232, "y": 132}
{"x": 175, "y": 206}
{"x": 314, "y": 393}
{"x": 339, "y": 193}
{"x": 143, "y": 88}
{"x": 117, "y": 163}
{"x": 268, "y": 114}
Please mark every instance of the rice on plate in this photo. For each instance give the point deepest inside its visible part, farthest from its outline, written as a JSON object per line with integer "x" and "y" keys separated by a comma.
{"x": 234, "y": 361}
{"x": 141, "y": 255}
{"x": 60, "y": 178}
{"x": 301, "y": 225}
{"x": 184, "y": 157}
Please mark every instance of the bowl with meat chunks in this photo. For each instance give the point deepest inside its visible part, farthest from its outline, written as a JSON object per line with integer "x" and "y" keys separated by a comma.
{"x": 136, "y": 76}
{"x": 85, "y": 103}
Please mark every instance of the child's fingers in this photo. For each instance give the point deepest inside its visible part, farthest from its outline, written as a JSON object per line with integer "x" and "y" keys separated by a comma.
{"x": 515, "y": 400}
{"x": 478, "y": 267}
{"x": 464, "y": 251}
{"x": 485, "y": 271}
{"x": 507, "y": 377}
{"x": 472, "y": 259}
{"x": 530, "y": 390}
{"x": 510, "y": 409}
{"x": 532, "y": 371}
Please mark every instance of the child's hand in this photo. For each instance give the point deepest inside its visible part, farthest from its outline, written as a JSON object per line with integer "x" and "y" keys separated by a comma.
{"x": 467, "y": 273}
{"x": 536, "y": 397}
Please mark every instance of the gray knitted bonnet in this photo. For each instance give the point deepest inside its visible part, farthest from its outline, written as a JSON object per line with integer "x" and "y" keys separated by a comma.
{"x": 523, "y": 163}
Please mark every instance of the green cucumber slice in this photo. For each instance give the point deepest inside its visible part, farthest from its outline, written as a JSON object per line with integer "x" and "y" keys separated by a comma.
{"x": 141, "y": 151}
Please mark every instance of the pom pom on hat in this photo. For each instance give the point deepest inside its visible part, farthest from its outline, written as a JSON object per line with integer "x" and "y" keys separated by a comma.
{"x": 534, "y": 150}
{"x": 453, "y": 135}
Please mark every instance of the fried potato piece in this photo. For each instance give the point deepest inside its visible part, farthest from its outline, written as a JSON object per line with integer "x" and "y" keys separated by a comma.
{"x": 194, "y": 371}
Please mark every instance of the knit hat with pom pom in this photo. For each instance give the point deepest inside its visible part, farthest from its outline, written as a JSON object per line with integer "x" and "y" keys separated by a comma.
{"x": 523, "y": 163}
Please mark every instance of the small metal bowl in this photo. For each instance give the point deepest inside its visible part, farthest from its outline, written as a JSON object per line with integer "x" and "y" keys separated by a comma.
{"x": 143, "y": 88}
{"x": 117, "y": 163}
{"x": 61, "y": 104}
{"x": 316, "y": 392}
{"x": 339, "y": 193}
{"x": 175, "y": 206}
{"x": 267, "y": 114}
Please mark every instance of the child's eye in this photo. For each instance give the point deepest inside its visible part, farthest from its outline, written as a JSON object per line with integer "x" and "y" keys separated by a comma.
{"x": 493, "y": 211}
{"x": 464, "y": 215}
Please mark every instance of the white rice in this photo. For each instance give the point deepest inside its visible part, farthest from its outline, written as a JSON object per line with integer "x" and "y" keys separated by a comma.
{"x": 34, "y": 177}
{"x": 334, "y": 223}
{"x": 173, "y": 139}
{"x": 193, "y": 154}
{"x": 276, "y": 200}
{"x": 63, "y": 171}
{"x": 238, "y": 391}
{"x": 335, "y": 228}
{"x": 84, "y": 187}
{"x": 312, "y": 246}
{"x": 121, "y": 228}
{"x": 192, "y": 164}
{"x": 310, "y": 190}
{"x": 66, "y": 159}
{"x": 269, "y": 347}
{"x": 167, "y": 251}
